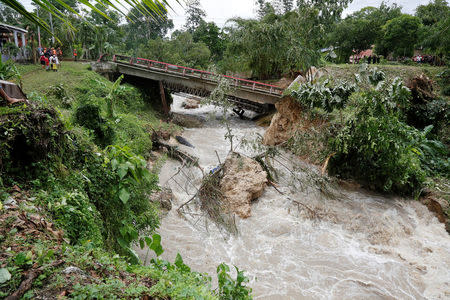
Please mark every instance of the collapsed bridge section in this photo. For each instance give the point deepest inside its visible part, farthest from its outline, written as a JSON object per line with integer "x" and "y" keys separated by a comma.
{"x": 244, "y": 94}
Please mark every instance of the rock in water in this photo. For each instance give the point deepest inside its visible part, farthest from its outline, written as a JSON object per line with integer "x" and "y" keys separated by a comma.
{"x": 188, "y": 121}
{"x": 183, "y": 141}
{"x": 190, "y": 103}
{"x": 243, "y": 181}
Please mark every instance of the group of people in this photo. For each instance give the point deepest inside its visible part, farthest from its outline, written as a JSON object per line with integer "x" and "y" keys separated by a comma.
{"x": 372, "y": 59}
{"x": 50, "y": 58}
{"x": 433, "y": 60}
{"x": 428, "y": 59}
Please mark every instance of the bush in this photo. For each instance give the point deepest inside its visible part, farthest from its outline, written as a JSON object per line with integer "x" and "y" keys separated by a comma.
{"x": 75, "y": 214}
{"x": 131, "y": 131}
{"x": 434, "y": 112}
{"x": 119, "y": 185}
{"x": 380, "y": 151}
{"x": 30, "y": 137}
{"x": 88, "y": 116}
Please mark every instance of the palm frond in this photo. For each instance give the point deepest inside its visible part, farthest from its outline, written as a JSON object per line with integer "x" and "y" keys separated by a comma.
{"x": 152, "y": 8}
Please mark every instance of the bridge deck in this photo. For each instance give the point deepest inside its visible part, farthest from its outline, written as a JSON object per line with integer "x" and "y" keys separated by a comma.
{"x": 244, "y": 93}
{"x": 199, "y": 74}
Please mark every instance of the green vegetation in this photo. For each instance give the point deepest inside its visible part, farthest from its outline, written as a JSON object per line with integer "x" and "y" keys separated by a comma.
{"x": 392, "y": 32}
{"x": 370, "y": 135}
{"x": 400, "y": 35}
{"x": 286, "y": 37}
{"x": 75, "y": 158}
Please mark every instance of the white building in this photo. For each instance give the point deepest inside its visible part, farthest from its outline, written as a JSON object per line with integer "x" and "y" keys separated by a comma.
{"x": 13, "y": 35}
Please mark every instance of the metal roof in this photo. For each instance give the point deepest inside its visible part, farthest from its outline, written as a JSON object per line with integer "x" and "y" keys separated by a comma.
{"x": 10, "y": 28}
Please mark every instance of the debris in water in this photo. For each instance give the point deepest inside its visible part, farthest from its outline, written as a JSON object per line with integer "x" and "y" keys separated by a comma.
{"x": 183, "y": 141}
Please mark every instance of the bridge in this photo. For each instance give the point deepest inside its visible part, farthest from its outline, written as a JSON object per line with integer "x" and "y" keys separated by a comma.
{"x": 244, "y": 94}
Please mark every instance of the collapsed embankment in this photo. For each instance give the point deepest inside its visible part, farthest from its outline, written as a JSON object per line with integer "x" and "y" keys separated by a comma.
{"x": 306, "y": 237}
{"x": 319, "y": 127}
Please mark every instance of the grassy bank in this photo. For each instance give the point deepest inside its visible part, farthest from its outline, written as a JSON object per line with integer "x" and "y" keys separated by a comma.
{"x": 74, "y": 191}
{"x": 347, "y": 71}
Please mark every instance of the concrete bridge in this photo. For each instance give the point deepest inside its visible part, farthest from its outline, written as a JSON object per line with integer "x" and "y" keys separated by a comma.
{"x": 244, "y": 94}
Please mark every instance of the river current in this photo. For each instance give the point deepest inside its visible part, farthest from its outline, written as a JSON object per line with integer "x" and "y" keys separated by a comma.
{"x": 357, "y": 245}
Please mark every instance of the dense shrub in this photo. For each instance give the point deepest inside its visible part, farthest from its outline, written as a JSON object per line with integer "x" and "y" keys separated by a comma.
{"x": 444, "y": 81}
{"x": 131, "y": 132}
{"x": 88, "y": 116}
{"x": 75, "y": 214}
{"x": 378, "y": 150}
{"x": 119, "y": 184}
{"x": 373, "y": 140}
{"x": 433, "y": 112}
{"x": 29, "y": 138}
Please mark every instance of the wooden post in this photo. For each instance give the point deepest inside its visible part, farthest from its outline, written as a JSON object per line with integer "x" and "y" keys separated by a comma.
{"x": 163, "y": 98}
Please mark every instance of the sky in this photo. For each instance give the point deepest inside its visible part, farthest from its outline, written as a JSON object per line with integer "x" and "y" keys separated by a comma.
{"x": 220, "y": 11}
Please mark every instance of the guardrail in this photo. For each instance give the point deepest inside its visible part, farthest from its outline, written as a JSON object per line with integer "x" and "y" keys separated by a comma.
{"x": 200, "y": 74}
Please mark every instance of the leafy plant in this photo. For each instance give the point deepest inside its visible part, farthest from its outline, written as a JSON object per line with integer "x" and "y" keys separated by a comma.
{"x": 8, "y": 70}
{"x": 323, "y": 94}
{"x": 75, "y": 214}
{"x": 110, "y": 98}
{"x": 232, "y": 289}
{"x": 375, "y": 146}
{"x": 119, "y": 187}
{"x": 88, "y": 115}
{"x": 59, "y": 91}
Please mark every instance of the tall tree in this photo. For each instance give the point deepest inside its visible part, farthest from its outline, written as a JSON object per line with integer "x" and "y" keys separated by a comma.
{"x": 362, "y": 29}
{"x": 400, "y": 35}
{"x": 287, "y": 5}
{"x": 211, "y": 35}
{"x": 195, "y": 15}
{"x": 276, "y": 44}
{"x": 435, "y": 34}
{"x": 433, "y": 12}
{"x": 9, "y": 16}
{"x": 328, "y": 11}
{"x": 142, "y": 27}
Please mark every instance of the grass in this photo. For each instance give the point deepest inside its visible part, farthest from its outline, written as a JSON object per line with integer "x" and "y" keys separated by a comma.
{"x": 74, "y": 84}
{"x": 347, "y": 71}
{"x": 31, "y": 247}
{"x": 32, "y": 244}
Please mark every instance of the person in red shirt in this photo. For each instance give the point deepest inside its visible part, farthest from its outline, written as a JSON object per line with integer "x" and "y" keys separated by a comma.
{"x": 75, "y": 54}
{"x": 47, "y": 63}
{"x": 42, "y": 60}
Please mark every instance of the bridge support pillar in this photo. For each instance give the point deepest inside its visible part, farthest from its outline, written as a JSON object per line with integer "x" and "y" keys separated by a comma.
{"x": 163, "y": 99}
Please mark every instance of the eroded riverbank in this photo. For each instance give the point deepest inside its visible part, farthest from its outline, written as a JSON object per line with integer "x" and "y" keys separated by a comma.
{"x": 355, "y": 245}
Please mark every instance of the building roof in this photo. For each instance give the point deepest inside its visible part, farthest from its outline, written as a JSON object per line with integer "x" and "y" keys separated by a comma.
{"x": 9, "y": 28}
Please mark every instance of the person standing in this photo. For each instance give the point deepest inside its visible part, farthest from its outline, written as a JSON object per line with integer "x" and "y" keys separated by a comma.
{"x": 42, "y": 60}
{"x": 55, "y": 63}
{"x": 59, "y": 55}
{"x": 75, "y": 54}
{"x": 47, "y": 62}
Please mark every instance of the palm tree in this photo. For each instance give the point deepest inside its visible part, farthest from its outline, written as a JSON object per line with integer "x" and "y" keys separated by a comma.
{"x": 151, "y": 8}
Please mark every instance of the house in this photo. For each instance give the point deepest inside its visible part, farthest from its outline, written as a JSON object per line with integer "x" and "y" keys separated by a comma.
{"x": 9, "y": 36}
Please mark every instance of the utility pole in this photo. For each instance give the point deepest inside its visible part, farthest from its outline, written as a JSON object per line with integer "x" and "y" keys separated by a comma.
{"x": 51, "y": 27}
{"x": 39, "y": 29}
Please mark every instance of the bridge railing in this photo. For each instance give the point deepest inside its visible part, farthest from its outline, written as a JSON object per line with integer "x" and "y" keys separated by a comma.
{"x": 203, "y": 75}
